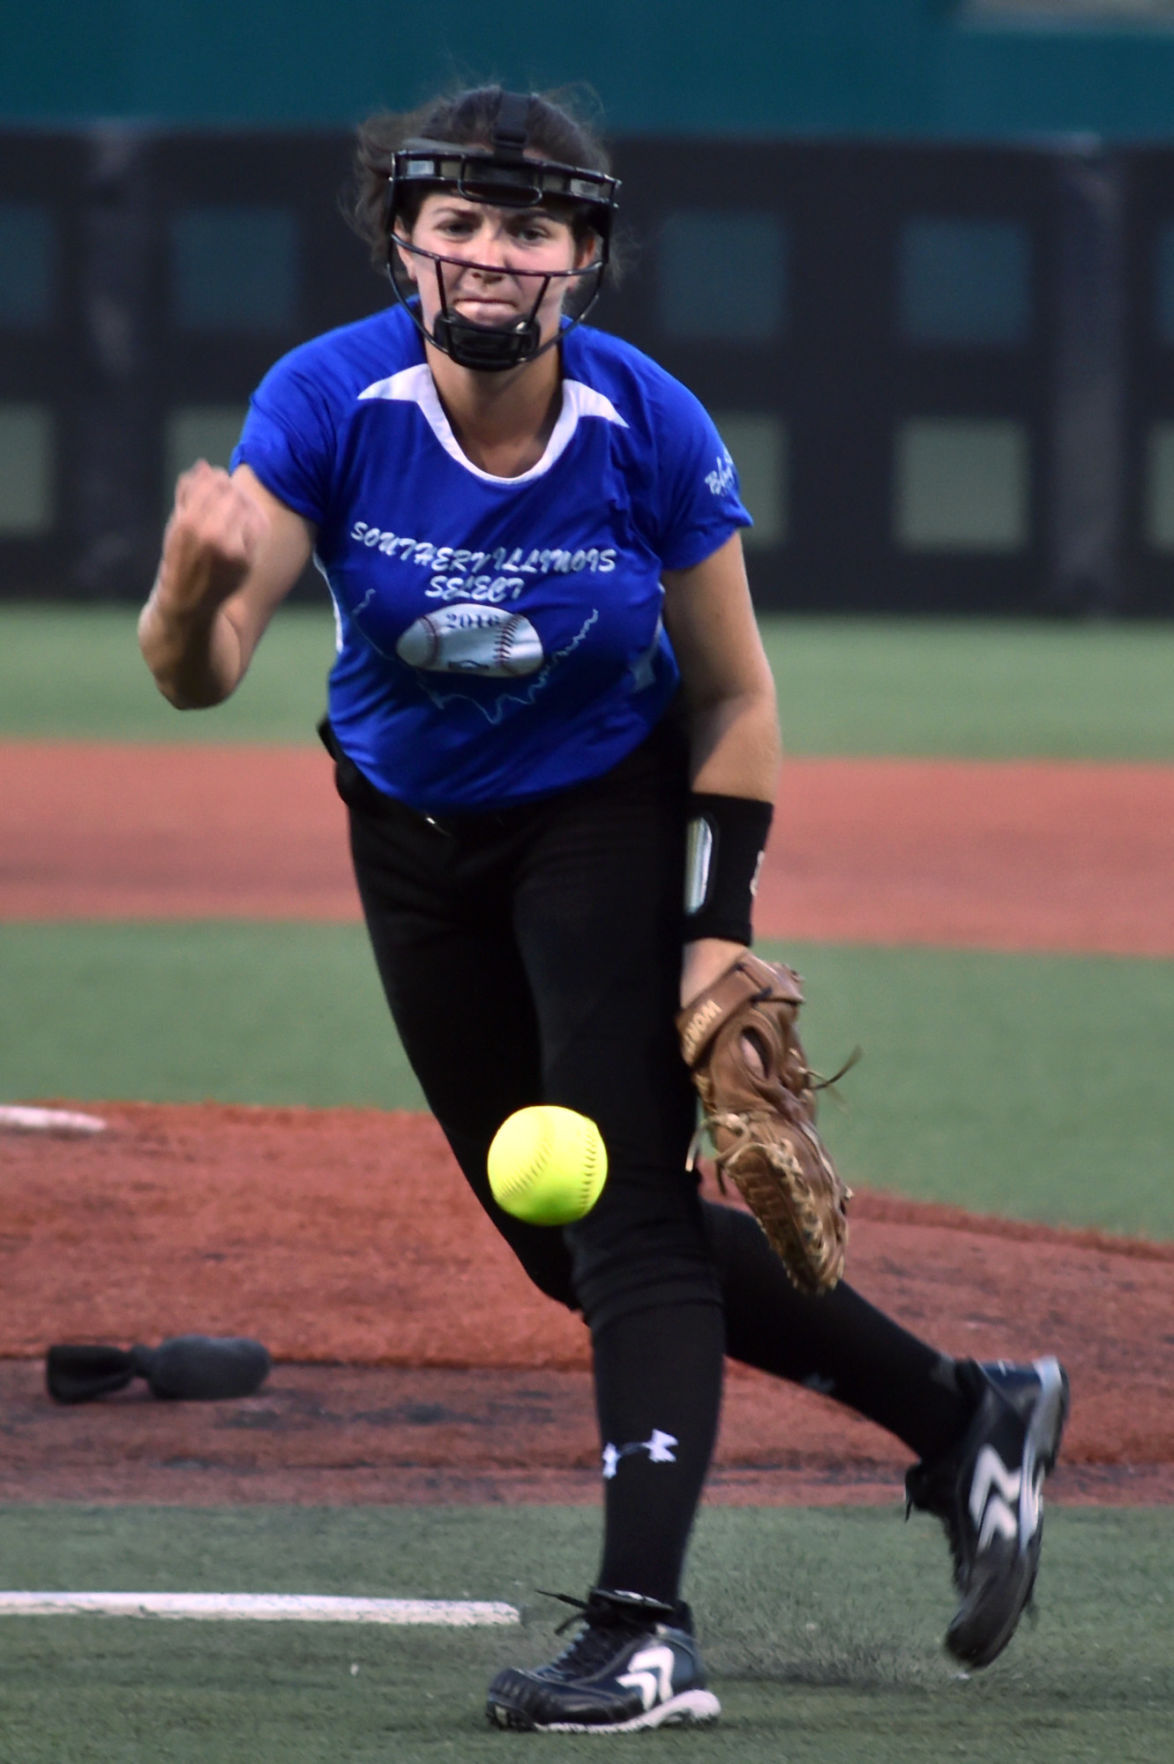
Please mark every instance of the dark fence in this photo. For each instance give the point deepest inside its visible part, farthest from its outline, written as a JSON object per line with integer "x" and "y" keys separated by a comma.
{"x": 946, "y": 372}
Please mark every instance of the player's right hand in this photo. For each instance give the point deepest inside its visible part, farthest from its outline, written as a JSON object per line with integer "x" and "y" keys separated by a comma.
{"x": 211, "y": 540}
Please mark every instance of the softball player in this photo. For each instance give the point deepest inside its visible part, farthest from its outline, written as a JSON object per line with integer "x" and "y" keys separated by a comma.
{"x": 548, "y": 667}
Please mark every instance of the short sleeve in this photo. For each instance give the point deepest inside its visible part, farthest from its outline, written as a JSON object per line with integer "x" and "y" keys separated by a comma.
{"x": 699, "y": 494}
{"x": 288, "y": 439}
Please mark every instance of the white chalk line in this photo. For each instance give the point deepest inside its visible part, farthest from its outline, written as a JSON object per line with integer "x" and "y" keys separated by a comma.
{"x": 258, "y": 1608}
{"x": 16, "y": 1118}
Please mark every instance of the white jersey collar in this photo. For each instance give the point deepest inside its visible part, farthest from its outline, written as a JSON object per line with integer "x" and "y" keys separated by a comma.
{"x": 415, "y": 385}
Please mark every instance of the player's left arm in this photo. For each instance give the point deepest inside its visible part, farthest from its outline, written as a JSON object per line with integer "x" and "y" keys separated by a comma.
{"x": 730, "y": 701}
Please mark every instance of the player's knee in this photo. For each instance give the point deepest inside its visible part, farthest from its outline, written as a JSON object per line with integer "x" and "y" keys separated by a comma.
{"x": 623, "y": 1266}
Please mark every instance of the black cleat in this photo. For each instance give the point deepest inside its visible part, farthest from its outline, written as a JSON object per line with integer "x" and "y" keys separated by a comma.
{"x": 633, "y": 1665}
{"x": 988, "y": 1493}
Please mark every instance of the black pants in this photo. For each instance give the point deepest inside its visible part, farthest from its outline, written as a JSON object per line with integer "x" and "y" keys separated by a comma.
{"x": 534, "y": 956}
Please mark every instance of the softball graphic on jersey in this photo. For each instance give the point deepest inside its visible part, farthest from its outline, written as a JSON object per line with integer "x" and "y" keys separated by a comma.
{"x": 467, "y": 639}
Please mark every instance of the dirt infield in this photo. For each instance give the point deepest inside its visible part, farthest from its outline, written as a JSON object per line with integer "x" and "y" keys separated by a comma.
{"x": 415, "y": 1362}
{"x": 1021, "y": 855}
{"x": 412, "y": 1360}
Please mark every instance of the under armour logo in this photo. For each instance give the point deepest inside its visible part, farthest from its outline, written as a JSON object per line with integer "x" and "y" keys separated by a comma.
{"x": 651, "y": 1674}
{"x": 659, "y": 1449}
{"x": 999, "y": 1498}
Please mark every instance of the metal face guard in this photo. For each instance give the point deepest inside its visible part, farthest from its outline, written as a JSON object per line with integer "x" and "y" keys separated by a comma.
{"x": 487, "y": 348}
{"x": 503, "y": 177}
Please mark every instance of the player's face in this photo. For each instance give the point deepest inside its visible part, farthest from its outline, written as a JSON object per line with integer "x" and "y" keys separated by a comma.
{"x": 502, "y": 256}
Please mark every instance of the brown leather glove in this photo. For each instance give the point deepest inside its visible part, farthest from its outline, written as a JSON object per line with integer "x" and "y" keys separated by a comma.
{"x": 739, "y": 1040}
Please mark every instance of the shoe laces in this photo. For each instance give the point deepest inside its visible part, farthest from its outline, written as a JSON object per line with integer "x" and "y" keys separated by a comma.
{"x": 604, "y": 1624}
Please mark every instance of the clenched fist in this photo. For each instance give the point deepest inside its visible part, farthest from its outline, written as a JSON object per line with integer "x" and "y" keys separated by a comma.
{"x": 211, "y": 539}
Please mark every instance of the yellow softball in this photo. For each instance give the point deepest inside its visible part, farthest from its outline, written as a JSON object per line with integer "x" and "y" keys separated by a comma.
{"x": 547, "y": 1165}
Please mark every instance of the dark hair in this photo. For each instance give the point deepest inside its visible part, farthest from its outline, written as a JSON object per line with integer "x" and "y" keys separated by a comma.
{"x": 467, "y": 120}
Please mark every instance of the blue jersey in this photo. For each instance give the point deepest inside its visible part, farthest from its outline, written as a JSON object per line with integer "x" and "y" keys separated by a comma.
{"x": 498, "y": 638}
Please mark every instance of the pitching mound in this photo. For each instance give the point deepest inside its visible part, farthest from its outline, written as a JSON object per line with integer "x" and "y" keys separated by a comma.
{"x": 414, "y": 1362}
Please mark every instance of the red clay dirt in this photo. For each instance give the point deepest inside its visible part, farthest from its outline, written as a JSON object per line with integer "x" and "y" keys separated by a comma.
{"x": 412, "y": 1361}
{"x": 414, "y": 1358}
{"x": 1016, "y": 855}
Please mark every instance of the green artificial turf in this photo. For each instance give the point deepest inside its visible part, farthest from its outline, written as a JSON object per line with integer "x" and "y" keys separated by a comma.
{"x": 972, "y": 690}
{"x": 75, "y": 673}
{"x": 821, "y": 1629}
{"x": 982, "y": 1082}
{"x": 996, "y": 690}
{"x": 174, "y": 1012}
